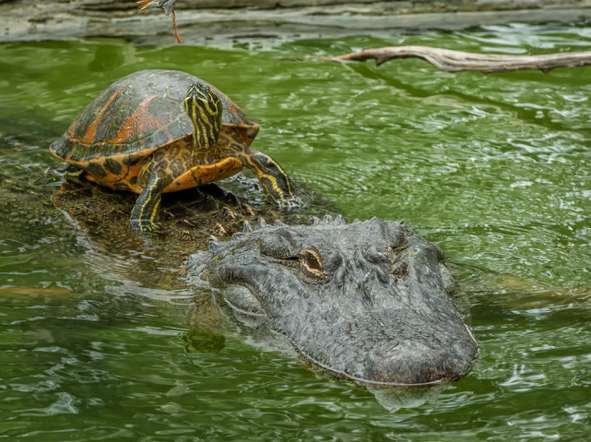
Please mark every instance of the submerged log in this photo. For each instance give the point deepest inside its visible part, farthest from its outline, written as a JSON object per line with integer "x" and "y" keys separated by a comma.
{"x": 457, "y": 61}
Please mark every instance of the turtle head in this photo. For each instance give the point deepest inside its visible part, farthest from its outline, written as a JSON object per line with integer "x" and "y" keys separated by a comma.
{"x": 204, "y": 108}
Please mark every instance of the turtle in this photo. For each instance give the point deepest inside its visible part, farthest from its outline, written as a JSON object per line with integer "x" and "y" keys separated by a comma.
{"x": 158, "y": 131}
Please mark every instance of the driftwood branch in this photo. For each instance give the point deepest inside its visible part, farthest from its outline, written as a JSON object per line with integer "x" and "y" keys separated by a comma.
{"x": 456, "y": 61}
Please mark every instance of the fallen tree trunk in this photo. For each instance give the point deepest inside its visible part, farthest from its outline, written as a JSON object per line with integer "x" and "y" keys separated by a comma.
{"x": 457, "y": 61}
{"x": 204, "y": 21}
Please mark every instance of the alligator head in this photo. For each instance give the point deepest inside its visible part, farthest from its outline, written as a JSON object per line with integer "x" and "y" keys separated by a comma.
{"x": 368, "y": 301}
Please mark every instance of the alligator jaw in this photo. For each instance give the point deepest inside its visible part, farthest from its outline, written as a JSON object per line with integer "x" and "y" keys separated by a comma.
{"x": 369, "y": 382}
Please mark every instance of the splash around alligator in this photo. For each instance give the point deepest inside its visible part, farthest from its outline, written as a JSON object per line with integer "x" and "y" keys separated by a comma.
{"x": 368, "y": 301}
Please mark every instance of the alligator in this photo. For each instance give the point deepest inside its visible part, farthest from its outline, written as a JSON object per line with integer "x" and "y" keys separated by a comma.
{"x": 368, "y": 301}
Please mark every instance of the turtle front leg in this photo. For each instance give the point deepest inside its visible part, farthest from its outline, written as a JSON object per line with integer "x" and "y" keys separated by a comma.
{"x": 145, "y": 209}
{"x": 272, "y": 177}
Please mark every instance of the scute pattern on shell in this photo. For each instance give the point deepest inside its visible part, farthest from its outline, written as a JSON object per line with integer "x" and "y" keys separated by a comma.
{"x": 135, "y": 116}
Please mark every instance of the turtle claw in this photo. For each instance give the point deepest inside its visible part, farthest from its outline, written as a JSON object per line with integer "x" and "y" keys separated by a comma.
{"x": 290, "y": 203}
{"x": 143, "y": 226}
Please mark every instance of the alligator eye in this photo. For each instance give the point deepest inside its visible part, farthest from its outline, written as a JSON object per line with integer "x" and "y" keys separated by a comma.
{"x": 311, "y": 262}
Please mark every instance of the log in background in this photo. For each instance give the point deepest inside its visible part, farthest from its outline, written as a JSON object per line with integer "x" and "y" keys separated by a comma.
{"x": 199, "y": 19}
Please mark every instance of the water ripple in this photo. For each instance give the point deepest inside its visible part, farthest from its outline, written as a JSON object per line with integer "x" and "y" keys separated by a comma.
{"x": 491, "y": 167}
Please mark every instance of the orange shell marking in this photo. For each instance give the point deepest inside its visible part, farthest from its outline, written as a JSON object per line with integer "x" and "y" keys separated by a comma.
{"x": 90, "y": 134}
{"x": 140, "y": 121}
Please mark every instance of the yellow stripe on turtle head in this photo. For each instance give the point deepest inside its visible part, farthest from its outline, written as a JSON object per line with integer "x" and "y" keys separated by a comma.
{"x": 204, "y": 108}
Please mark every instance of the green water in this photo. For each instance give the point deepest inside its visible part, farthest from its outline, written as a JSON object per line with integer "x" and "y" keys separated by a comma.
{"x": 494, "y": 168}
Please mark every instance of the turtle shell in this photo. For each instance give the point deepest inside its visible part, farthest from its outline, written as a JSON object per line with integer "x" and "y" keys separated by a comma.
{"x": 139, "y": 114}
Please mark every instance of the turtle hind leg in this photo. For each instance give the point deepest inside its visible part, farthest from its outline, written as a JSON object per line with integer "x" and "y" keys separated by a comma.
{"x": 74, "y": 174}
{"x": 274, "y": 180}
{"x": 145, "y": 209}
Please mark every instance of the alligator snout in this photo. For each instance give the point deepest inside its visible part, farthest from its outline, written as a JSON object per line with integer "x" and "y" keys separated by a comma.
{"x": 378, "y": 335}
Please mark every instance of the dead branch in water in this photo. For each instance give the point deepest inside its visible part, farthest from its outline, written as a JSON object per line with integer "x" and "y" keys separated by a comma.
{"x": 457, "y": 61}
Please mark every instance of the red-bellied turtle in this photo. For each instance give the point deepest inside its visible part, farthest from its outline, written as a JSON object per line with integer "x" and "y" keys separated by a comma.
{"x": 158, "y": 131}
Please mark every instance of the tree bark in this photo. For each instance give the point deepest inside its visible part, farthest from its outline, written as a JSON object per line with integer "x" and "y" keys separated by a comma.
{"x": 457, "y": 61}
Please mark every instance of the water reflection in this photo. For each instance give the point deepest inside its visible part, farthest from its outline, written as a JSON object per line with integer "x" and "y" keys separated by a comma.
{"x": 396, "y": 399}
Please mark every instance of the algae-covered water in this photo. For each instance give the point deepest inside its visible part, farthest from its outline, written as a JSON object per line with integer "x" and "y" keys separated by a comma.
{"x": 494, "y": 168}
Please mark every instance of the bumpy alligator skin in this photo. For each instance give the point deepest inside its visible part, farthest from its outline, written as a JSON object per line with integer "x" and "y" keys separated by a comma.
{"x": 367, "y": 301}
